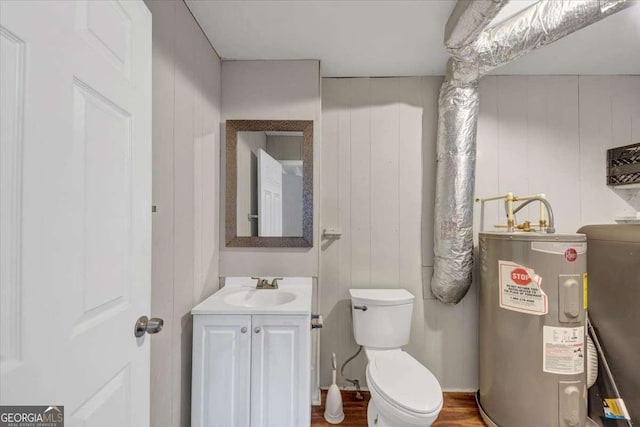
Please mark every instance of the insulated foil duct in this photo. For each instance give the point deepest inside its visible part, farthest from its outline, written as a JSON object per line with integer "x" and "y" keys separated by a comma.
{"x": 477, "y": 51}
{"x": 466, "y": 22}
{"x": 537, "y": 26}
{"x": 453, "y": 235}
{"x": 456, "y": 158}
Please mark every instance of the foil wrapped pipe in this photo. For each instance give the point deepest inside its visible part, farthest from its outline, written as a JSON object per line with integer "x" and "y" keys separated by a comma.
{"x": 466, "y": 22}
{"x": 537, "y": 26}
{"x": 453, "y": 233}
{"x": 477, "y": 51}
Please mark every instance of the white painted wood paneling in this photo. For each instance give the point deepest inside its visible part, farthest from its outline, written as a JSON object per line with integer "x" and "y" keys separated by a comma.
{"x": 383, "y": 177}
{"x": 186, "y": 82}
{"x": 595, "y": 133}
{"x": 487, "y": 154}
{"x": 206, "y": 169}
{"x": 557, "y": 128}
{"x": 411, "y": 182}
{"x": 554, "y": 161}
{"x": 186, "y": 123}
{"x": 512, "y": 136}
{"x": 12, "y": 94}
{"x": 271, "y": 90}
{"x": 359, "y": 190}
{"x": 609, "y": 117}
{"x": 535, "y": 134}
{"x": 162, "y": 241}
{"x": 354, "y": 191}
{"x": 374, "y": 145}
{"x": 329, "y": 259}
{"x": 430, "y": 89}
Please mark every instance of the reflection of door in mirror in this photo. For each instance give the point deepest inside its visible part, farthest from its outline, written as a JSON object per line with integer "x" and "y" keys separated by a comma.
{"x": 271, "y": 204}
{"x": 269, "y": 184}
{"x": 269, "y": 195}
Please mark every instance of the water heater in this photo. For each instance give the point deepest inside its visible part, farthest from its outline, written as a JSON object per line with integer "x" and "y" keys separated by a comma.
{"x": 532, "y": 329}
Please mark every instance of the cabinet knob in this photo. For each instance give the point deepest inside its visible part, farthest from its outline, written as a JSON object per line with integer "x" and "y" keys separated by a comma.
{"x": 257, "y": 330}
{"x": 243, "y": 329}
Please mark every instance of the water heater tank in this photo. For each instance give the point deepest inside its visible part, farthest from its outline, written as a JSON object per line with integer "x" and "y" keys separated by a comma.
{"x": 533, "y": 329}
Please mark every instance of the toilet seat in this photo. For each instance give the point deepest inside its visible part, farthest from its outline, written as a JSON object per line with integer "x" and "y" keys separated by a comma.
{"x": 404, "y": 384}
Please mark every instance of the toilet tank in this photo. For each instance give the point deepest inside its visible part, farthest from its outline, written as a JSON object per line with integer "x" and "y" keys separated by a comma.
{"x": 381, "y": 317}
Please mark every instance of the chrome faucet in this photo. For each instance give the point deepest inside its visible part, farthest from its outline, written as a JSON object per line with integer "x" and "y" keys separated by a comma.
{"x": 264, "y": 283}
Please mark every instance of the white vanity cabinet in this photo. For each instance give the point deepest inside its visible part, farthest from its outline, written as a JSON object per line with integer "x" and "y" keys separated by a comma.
{"x": 221, "y": 371}
{"x": 251, "y": 370}
{"x": 280, "y": 371}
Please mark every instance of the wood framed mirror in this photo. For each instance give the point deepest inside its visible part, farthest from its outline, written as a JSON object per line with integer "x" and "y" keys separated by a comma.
{"x": 269, "y": 183}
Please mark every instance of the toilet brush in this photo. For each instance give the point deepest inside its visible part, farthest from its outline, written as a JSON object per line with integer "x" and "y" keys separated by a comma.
{"x": 333, "y": 412}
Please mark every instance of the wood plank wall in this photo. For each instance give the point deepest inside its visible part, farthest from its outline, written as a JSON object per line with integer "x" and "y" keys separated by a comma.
{"x": 271, "y": 90}
{"x": 186, "y": 146}
{"x": 550, "y": 134}
{"x": 535, "y": 134}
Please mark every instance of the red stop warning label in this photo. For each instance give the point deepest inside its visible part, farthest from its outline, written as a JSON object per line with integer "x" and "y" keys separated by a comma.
{"x": 520, "y": 277}
{"x": 570, "y": 255}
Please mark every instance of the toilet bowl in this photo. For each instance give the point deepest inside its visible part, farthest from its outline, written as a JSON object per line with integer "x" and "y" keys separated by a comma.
{"x": 404, "y": 393}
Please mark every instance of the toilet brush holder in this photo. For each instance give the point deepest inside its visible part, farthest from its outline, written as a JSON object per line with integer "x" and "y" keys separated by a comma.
{"x": 333, "y": 411}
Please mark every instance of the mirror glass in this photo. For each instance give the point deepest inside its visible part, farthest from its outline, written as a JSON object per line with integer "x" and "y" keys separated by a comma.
{"x": 269, "y": 183}
{"x": 269, "y": 189}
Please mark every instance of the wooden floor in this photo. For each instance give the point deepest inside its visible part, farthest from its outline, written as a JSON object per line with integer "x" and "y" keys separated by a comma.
{"x": 459, "y": 411}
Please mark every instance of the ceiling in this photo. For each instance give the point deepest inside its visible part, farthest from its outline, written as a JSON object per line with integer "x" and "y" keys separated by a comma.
{"x": 397, "y": 38}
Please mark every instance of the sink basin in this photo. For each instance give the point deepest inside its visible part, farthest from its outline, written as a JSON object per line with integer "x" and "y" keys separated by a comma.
{"x": 240, "y": 296}
{"x": 259, "y": 298}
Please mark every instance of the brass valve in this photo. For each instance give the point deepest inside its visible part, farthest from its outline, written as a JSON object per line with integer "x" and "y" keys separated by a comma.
{"x": 525, "y": 226}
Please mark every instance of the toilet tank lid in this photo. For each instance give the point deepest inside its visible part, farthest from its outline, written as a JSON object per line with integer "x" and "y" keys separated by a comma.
{"x": 381, "y": 296}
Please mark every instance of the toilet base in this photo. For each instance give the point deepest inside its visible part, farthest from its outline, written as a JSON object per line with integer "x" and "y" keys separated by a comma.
{"x": 376, "y": 419}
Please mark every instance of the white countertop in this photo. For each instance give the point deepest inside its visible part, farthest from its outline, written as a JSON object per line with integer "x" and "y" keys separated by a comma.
{"x": 301, "y": 287}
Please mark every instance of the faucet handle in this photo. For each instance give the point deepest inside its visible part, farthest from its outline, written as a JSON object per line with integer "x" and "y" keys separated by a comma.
{"x": 274, "y": 283}
{"x": 259, "y": 279}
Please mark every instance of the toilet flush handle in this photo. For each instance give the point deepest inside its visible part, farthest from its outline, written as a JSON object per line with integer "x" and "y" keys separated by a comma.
{"x": 360, "y": 307}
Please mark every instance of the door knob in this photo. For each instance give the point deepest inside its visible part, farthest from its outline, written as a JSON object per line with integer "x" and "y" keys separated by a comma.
{"x": 150, "y": 326}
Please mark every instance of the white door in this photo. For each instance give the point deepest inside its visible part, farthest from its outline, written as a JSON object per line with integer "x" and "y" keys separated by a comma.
{"x": 220, "y": 394}
{"x": 76, "y": 208}
{"x": 269, "y": 195}
{"x": 280, "y": 370}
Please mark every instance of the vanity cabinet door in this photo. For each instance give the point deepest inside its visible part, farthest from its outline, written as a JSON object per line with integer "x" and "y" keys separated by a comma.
{"x": 221, "y": 371}
{"x": 280, "y": 390}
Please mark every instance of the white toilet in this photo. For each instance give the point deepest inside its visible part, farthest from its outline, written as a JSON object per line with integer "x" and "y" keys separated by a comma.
{"x": 404, "y": 393}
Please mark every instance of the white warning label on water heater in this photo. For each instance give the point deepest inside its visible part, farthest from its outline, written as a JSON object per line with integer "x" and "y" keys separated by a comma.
{"x": 563, "y": 350}
{"x": 521, "y": 289}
